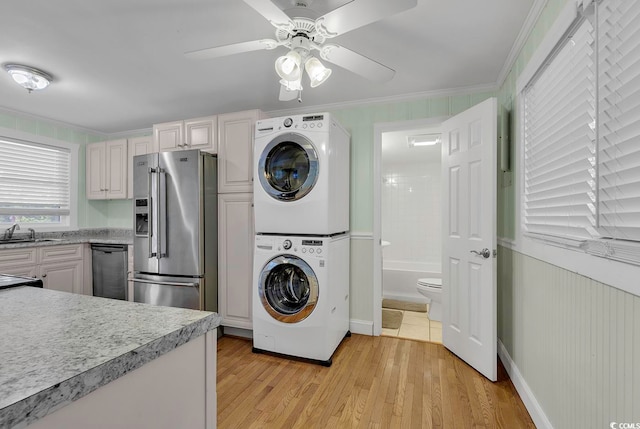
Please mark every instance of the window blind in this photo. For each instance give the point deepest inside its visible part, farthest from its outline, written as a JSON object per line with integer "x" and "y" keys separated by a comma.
{"x": 560, "y": 150}
{"x": 619, "y": 118}
{"x": 34, "y": 179}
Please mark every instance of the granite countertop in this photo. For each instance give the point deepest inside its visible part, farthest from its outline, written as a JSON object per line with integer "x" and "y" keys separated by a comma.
{"x": 95, "y": 235}
{"x": 56, "y": 347}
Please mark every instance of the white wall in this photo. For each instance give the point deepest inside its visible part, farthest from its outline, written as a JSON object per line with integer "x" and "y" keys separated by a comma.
{"x": 411, "y": 211}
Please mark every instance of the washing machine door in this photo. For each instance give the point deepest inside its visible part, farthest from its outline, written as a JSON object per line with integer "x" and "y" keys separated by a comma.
{"x": 288, "y": 288}
{"x": 288, "y": 167}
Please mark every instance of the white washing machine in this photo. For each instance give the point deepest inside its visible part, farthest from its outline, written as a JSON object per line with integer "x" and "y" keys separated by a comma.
{"x": 301, "y": 295}
{"x": 301, "y": 176}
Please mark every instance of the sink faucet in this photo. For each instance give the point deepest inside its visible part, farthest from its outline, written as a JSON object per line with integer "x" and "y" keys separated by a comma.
{"x": 8, "y": 233}
{"x": 32, "y": 233}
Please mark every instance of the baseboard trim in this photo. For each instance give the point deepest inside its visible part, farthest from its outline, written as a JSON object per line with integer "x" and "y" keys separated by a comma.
{"x": 530, "y": 402}
{"x": 362, "y": 327}
{"x": 237, "y": 332}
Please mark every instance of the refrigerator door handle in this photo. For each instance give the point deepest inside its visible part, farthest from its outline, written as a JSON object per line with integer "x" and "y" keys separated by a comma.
{"x": 162, "y": 213}
{"x": 153, "y": 282}
{"x": 151, "y": 237}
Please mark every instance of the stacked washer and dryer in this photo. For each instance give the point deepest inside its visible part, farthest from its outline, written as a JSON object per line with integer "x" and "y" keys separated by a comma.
{"x": 301, "y": 253}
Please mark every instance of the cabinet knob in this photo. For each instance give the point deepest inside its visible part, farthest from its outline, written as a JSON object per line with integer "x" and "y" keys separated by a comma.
{"x": 44, "y": 275}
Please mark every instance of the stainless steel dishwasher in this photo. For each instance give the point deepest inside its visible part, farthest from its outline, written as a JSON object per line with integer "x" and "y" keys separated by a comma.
{"x": 109, "y": 263}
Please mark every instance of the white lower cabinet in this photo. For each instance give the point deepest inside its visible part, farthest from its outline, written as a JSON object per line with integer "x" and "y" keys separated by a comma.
{"x": 64, "y": 276}
{"x": 59, "y": 267}
{"x": 235, "y": 250}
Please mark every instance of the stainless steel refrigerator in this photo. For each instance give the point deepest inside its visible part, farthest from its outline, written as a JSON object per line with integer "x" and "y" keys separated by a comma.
{"x": 175, "y": 219}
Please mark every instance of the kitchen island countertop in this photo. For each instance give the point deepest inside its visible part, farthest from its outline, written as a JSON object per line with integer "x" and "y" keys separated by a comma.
{"x": 56, "y": 347}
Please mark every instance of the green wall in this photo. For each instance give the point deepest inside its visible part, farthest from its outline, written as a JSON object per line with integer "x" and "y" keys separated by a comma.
{"x": 507, "y": 99}
{"x": 574, "y": 341}
{"x": 91, "y": 214}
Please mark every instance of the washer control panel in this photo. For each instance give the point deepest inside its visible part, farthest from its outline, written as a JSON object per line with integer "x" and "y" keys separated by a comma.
{"x": 305, "y": 246}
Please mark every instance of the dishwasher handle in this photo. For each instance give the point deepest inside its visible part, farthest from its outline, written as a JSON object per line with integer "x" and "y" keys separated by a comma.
{"x": 109, "y": 248}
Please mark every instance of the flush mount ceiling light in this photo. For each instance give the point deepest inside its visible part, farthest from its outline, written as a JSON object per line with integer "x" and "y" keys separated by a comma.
{"x": 302, "y": 35}
{"x": 423, "y": 140}
{"x": 28, "y": 77}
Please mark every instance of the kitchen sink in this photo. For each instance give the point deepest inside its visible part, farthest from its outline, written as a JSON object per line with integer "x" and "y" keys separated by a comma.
{"x": 28, "y": 240}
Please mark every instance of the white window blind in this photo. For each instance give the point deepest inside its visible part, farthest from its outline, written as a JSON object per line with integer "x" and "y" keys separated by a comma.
{"x": 619, "y": 118}
{"x": 34, "y": 181}
{"x": 559, "y": 120}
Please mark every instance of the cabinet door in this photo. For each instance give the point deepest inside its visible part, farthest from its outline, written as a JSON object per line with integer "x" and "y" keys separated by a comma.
{"x": 169, "y": 136}
{"x": 95, "y": 169}
{"x": 63, "y": 276}
{"x": 24, "y": 271}
{"x": 201, "y": 133}
{"x": 116, "y": 169}
{"x": 235, "y": 256}
{"x": 137, "y": 146}
{"x": 235, "y": 151}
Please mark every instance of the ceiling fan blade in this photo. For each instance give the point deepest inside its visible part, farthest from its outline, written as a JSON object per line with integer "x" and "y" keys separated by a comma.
{"x": 286, "y": 95}
{"x": 359, "y": 64}
{"x": 359, "y": 13}
{"x": 271, "y": 12}
{"x": 236, "y": 48}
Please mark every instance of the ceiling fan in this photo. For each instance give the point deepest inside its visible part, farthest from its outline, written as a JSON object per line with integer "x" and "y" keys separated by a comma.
{"x": 304, "y": 35}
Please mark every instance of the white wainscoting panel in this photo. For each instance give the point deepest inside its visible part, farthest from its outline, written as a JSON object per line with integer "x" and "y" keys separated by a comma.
{"x": 574, "y": 342}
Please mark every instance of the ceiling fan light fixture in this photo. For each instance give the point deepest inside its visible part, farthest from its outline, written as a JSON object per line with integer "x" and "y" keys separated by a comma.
{"x": 28, "y": 77}
{"x": 316, "y": 71}
{"x": 288, "y": 66}
{"x": 292, "y": 85}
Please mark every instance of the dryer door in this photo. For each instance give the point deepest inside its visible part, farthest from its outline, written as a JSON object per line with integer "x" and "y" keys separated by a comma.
{"x": 288, "y": 288}
{"x": 288, "y": 167}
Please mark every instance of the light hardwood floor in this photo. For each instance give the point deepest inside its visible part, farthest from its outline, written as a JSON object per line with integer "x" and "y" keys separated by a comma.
{"x": 374, "y": 382}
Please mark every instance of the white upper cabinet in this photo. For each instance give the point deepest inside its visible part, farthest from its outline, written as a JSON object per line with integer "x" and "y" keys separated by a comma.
{"x": 106, "y": 168}
{"x": 235, "y": 150}
{"x": 199, "y": 133}
{"x": 138, "y": 146}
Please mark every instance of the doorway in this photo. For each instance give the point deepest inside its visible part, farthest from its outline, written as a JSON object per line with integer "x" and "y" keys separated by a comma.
{"x": 407, "y": 222}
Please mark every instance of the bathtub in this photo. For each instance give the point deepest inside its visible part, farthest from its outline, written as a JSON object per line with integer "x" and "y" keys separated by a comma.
{"x": 399, "y": 279}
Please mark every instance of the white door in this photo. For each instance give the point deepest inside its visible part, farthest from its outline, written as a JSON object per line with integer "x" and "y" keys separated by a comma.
{"x": 469, "y": 327}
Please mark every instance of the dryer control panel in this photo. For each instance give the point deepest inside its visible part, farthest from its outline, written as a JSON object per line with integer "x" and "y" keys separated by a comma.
{"x": 313, "y": 122}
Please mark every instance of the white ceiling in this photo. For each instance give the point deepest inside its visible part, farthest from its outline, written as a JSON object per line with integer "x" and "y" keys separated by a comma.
{"x": 119, "y": 65}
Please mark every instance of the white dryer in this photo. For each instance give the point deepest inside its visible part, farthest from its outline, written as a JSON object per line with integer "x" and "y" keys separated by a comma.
{"x": 301, "y": 295}
{"x": 301, "y": 176}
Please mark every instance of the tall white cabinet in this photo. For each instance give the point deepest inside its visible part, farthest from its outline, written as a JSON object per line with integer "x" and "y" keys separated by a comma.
{"x": 235, "y": 217}
{"x": 235, "y": 259}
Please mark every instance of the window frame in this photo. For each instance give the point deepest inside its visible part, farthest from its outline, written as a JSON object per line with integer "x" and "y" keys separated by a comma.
{"x": 612, "y": 262}
{"x": 71, "y": 221}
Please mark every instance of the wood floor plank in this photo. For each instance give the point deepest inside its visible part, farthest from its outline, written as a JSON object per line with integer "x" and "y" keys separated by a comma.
{"x": 374, "y": 382}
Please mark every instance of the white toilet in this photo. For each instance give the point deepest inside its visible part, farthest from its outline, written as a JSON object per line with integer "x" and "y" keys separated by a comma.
{"x": 432, "y": 289}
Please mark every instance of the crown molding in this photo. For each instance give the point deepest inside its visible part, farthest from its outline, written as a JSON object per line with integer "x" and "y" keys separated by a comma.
{"x": 142, "y": 132}
{"x": 523, "y": 36}
{"x": 449, "y": 92}
{"x": 54, "y": 122}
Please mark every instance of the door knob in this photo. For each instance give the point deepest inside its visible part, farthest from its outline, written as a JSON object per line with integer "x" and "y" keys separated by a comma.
{"x": 485, "y": 253}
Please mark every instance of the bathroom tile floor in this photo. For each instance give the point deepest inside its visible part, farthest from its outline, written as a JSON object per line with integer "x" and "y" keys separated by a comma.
{"x": 416, "y": 326}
